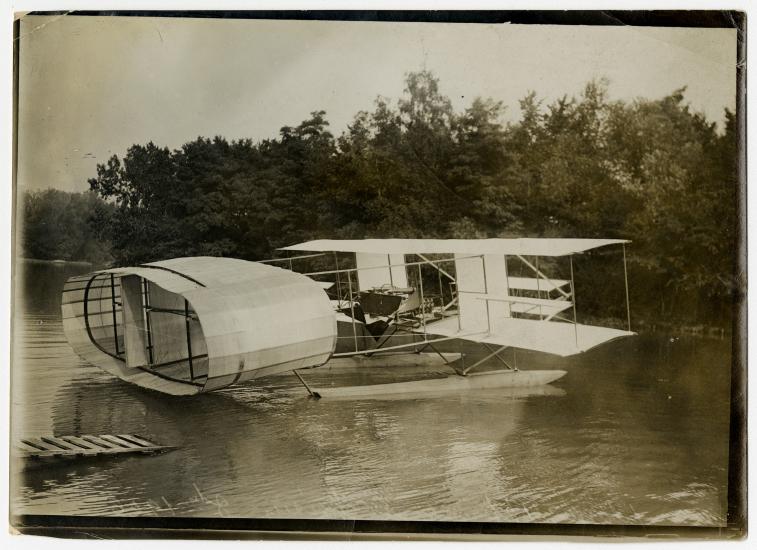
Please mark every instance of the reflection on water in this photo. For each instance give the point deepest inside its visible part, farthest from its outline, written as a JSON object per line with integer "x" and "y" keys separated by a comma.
{"x": 636, "y": 433}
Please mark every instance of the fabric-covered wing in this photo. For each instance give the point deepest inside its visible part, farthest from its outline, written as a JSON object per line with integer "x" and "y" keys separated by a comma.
{"x": 470, "y": 247}
{"x": 563, "y": 339}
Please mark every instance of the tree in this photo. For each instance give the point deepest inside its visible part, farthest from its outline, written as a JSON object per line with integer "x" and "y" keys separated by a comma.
{"x": 57, "y": 225}
{"x": 651, "y": 171}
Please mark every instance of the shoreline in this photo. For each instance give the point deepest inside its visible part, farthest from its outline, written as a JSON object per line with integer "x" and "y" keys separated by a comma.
{"x": 54, "y": 262}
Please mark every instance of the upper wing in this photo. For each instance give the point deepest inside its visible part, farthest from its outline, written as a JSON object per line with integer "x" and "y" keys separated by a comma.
{"x": 489, "y": 301}
{"x": 510, "y": 247}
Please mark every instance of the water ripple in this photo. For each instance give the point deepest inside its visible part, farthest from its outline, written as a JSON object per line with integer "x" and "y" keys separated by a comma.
{"x": 609, "y": 447}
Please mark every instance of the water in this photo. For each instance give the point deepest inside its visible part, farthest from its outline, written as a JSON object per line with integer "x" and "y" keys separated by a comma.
{"x": 636, "y": 433}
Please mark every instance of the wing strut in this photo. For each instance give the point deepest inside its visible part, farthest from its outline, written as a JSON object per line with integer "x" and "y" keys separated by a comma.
{"x": 439, "y": 269}
{"x": 625, "y": 276}
{"x": 312, "y": 393}
{"x": 573, "y": 294}
{"x": 542, "y": 275}
{"x": 457, "y": 336}
{"x": 338, "y": 280}
{"x": 487, "y": 346}
{"x": 430, "y": 345}
{"x": 494, "y": 353}
{"x": 352, "y": 308}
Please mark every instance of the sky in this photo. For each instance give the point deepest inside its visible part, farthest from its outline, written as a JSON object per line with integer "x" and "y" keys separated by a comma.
{"x": 89, "y": 87}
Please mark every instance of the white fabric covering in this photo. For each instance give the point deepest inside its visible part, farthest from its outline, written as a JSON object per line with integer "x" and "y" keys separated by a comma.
{"x": 523, "y": 247}
{"x": 544, "y": 336}
{"x": 252, "y": 320}
{"x": 374, "y": 270}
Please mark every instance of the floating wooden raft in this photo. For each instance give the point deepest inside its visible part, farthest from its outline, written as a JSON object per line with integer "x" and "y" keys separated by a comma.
{"x": 86, "y": 445}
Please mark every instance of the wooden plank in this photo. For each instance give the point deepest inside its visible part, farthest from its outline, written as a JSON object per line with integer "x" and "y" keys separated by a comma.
{"x": 44, "y": 446}
{"x": 129, "y": 441}
{"x": 120, "y": 442}
{"x": 34, "y": 445}
{"x": 141, "y": 439}
{"x": 28, "y": 448}
{"x": 138, "y": 440}
{"x": 70, "y": 446}
{"x": 80, "y": 441}
{"x": 67, "y": 445}
{"x": 97, "y": 441}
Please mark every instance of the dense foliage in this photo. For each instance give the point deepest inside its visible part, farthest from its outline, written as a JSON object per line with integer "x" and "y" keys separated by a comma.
{"x": 59, "y": 226}
{"x": 651, "y": 171}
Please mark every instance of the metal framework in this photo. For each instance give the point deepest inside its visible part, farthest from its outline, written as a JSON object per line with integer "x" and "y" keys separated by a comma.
{"x": 494, "y": 353}
{"x": 148, "y": 310}
{"x": 113, "y": 309}
{"x": 542, "y": 275}
{"x": 88, "y": 327}
{"x": 544, "y": 284}
{"x": 625, "y": 277}
{"x": 148, "y": 326}
{"x": 573, "y": 292}
{"x": 289, "y": 259}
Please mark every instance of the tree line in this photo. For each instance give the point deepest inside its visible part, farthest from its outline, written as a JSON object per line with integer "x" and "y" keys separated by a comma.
{"x": 651, "y": 171}
{"x": 58, "y": 225}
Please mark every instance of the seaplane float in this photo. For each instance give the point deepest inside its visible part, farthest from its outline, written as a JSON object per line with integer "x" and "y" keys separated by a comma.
{"x": 191, "y": 325}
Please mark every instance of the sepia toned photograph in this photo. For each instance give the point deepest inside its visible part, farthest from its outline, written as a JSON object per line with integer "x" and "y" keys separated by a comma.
{"x": 418, "y": 273}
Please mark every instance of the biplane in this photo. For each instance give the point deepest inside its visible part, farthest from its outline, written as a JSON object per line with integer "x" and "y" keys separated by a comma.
{"x": 191, "y": 325}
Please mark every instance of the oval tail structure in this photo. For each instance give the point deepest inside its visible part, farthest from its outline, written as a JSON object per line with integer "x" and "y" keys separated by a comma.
{"x": 191, "y": 325}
